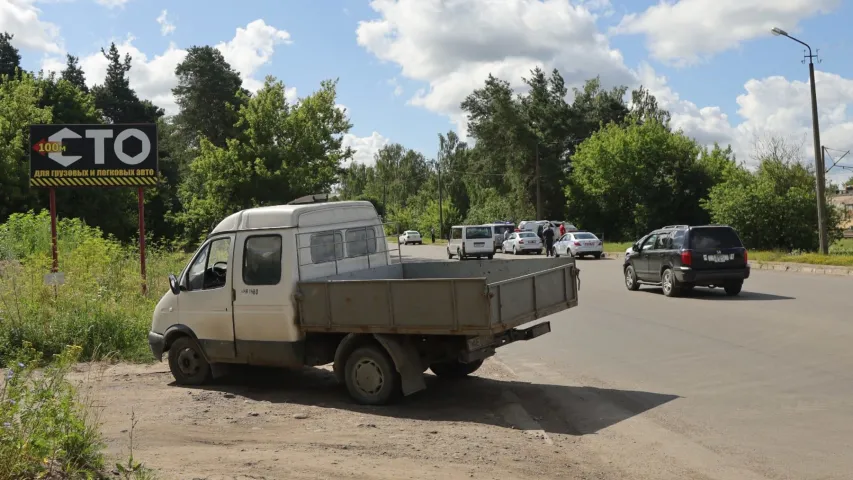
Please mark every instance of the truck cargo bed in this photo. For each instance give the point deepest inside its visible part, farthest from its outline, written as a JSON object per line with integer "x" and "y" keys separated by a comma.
{"x": 439, "y": 298}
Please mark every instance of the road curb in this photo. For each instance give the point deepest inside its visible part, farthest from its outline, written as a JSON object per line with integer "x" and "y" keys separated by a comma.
{"x": 805, "y": 268}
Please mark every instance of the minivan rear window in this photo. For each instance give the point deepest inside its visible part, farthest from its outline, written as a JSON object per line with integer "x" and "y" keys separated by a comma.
{"x": 478, "y": 232}
{"x": 714, "y": 238}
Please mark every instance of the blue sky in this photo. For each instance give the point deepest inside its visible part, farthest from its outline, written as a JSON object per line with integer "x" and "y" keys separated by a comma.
{"x": 706, "y": 50}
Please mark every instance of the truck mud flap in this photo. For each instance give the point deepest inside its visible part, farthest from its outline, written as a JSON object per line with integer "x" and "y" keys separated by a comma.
{"x": 406, "y": 360}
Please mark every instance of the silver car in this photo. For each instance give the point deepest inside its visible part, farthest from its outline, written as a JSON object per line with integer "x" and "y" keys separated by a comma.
{"x": 579, "y": 244}
{"x": 523, "y": 242}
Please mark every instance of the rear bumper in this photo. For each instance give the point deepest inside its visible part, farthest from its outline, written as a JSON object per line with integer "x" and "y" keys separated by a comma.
{"x": 711, "y": 277}
{"x": 157, "y": 343}
{"x": 479, "y": 348}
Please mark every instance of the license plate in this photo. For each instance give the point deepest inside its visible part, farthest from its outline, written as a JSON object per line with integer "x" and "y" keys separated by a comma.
{"x": 589, "y": 244}
{"x": 719, "y": 258}
{"x": 479, "y": 244}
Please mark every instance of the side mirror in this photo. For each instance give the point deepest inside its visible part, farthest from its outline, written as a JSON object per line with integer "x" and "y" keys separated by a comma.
{"x": 635, "y": 247}
{"x": 173, "y": 284}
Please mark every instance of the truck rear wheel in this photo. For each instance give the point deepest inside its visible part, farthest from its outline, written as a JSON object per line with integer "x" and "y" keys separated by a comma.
{"x": 371, "y": 377}
{"x": 187, "y": 362}
{"x": 455, "y": 369}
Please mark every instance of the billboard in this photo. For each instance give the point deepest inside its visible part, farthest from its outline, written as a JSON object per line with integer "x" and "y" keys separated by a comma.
{"x": 75, "y": 156}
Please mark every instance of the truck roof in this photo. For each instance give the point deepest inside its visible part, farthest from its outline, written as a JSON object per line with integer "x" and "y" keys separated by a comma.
{"x": 289, "y": 216}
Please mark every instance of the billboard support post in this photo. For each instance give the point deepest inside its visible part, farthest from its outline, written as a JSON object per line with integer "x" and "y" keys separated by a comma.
{"x": 140, "y": 196}
{"x": 54, "y": 249}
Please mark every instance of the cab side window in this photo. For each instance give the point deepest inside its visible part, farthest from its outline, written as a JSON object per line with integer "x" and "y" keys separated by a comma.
{"x": 262, "y": 260}
{"x": 209, "y": 270}
{"x": 327, "y": 247}
{"x": 678, "y": 239}
{"x": 665, "y": 241}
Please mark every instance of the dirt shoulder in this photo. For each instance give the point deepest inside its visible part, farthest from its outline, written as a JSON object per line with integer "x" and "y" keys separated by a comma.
{"x": 302, "y": 425}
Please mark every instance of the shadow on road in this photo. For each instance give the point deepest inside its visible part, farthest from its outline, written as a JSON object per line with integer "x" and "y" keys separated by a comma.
{"x": 718, "y": 294}
{"x": 571, "y": 410}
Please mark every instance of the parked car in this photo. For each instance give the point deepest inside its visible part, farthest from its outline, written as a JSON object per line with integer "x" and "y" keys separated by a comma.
{"x": 498, "y": 229}
{"x": 470, "y": 241}
{"x": 410, "y": 236}
{"x": 681, "y": 257}
{"x": 292, "y": 286}
{"x": 523, "y": 242}
{"x": 579, "y": 244}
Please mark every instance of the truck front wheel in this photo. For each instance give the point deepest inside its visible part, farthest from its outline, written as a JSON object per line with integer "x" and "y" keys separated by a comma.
{"x": 455, "y": 369}
{"x": 370, "y": 376}
{"x": 187, "y": 362}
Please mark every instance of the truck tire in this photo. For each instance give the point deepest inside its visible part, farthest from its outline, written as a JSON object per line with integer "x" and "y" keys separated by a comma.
{"x": 455, "y": 369}
{"x": 631, "y": 281}
{"x": 371, "y": 377}
{"x": 187, "y": 362}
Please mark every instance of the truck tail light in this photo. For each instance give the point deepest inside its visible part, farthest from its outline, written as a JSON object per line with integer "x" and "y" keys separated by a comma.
{"x": 686, "y": 257}
{"x": 745, "y": 256}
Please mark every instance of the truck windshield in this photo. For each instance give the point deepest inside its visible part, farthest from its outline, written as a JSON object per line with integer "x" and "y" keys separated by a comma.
{"x": 478, "y": 232}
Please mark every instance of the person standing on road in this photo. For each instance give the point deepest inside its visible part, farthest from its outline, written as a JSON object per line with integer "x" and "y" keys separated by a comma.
{"x": 548, "y": 235}
{"x": 432, "y": 234}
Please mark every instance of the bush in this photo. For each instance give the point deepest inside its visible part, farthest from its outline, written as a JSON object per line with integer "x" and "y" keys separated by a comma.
{"x": 100, "y": 307}
{"x": 45, "y": 431}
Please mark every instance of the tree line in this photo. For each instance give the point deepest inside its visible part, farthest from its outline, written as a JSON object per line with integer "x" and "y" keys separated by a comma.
{"x": 607, "y": 164}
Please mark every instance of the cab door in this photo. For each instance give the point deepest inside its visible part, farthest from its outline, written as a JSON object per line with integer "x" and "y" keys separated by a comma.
{"x": 264, "y": 279}
{"x": 204, "y": 304}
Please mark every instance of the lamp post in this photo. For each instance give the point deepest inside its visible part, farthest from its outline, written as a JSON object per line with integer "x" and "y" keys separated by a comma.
{"x": 819, "y": 168}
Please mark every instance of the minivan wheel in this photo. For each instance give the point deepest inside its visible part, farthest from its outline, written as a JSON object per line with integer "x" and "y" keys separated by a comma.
{"x": 733, "y": 288}
{"x": 187, "y": 362}
{"x": 669, "y": 284}
{"x": 631, "y": 279}
{"x": 371, "y": 377}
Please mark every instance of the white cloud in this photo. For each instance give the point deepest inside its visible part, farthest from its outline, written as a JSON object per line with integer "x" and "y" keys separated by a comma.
{"x": 365, "y": 147}
{"x": 112, "y": 3}
{"x": 683, "y": 32}
{"x": 452, "y": 45}
{"x": 166, "y": 26}
{"x": 398, "y": 89}
{"x": 154, "y": 77}
{"x": 21, "y": 19}
{"x": 251, "y": 48}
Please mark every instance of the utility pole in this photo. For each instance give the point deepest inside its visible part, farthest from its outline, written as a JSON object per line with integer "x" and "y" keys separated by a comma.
{"x": 440, "y": 210}
{"x": 538, "y": 186}
{"x": 823, "y": 237}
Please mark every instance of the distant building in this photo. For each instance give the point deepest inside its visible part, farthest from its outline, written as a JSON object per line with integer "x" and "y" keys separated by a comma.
{"x": 843, "y": 199}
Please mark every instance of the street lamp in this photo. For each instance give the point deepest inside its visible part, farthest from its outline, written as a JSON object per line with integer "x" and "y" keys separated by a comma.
{"x": 819, "y": 168}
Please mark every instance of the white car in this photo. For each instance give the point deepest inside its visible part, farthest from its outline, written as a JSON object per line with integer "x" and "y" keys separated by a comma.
{"x": 579, "y": 244}
{"x": 522, "y": 242}
{"x": 410, "y": 236}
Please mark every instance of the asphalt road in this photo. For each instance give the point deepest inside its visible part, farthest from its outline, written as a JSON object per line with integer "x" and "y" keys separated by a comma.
{"x": 756, "y": 386}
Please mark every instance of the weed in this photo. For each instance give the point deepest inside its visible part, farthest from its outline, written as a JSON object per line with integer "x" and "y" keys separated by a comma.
{"x": 100, "y": 307}
{"x": 45, "y": 431}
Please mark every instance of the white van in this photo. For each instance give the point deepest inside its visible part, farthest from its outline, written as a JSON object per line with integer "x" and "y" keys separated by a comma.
{"x": 471, "y": 241}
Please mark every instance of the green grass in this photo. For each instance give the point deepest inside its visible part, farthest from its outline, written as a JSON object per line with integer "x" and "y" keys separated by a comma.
{"x": 841, "y": 254}
{"x": 100, "y": 308}
{"x": 46, "y": 429}
{"x": 617, "y": 247}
